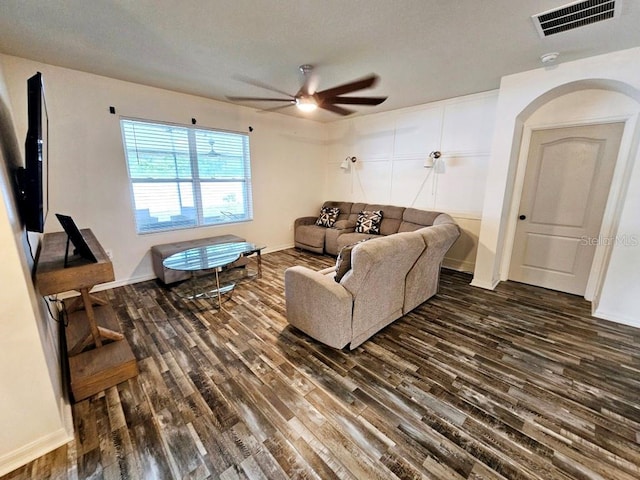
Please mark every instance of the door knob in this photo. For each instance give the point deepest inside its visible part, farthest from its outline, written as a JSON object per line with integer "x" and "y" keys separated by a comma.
{"x": 522, "y": 217}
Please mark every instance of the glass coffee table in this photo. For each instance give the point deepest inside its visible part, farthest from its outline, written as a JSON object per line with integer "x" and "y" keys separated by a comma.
{"x": 201, "y": 262}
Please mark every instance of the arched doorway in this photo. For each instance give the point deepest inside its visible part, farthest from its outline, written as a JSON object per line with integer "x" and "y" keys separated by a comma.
{"x": 551, "y": 261}
{"x": 617, "y": 297}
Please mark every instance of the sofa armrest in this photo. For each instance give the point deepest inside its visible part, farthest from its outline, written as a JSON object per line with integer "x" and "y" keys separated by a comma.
{"x": 304, "y": 221}
{"x": 318, "y": 306}
{"x": 423, "y": 279}
{"x": 328, "y": 271}
{"x": 439, "y": 238}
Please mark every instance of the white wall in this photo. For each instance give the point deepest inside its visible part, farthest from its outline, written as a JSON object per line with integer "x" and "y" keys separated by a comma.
{"x": 391, "y": 149}
{"x": 34, "y": 415}
{"x": 88, "y": 174}
{"x": 522, "y": 94}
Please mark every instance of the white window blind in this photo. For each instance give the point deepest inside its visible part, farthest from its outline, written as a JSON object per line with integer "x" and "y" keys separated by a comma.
{"x": 185, "y": 177}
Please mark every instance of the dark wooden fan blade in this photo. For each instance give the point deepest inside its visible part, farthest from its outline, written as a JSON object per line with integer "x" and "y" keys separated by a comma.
{"x": 335, "y": 109}
{"x": 366, "y": 82}
{"x": 279, "y": 107}
{"x": 355, "y": 100}
{"x": 258, "y": 99}
{"x": 260, "y": 84}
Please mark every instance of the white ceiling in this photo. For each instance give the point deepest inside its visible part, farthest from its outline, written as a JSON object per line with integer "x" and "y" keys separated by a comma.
{"x": 423, "y": 50}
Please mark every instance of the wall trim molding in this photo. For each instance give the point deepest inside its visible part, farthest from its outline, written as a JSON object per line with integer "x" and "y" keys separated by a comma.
{"x": 465, "y": 215}
{"x": 485, "y": 285}
{"x": 421, "y": 156}
{"x": 364, "y": 158}
{"x": 151, "y": 276}
{"x": 448, "y": 262}
{"x": 29, "y": 452}
{"x": 614, "y": 317}
{"x": 464, "y": 154}
{"x": 458, "y": 265}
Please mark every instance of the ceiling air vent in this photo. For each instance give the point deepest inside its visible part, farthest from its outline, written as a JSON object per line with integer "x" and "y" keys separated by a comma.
{"x": 575, "y": 15}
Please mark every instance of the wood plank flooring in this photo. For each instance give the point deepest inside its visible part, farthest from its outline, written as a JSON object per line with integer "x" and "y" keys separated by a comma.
{"x": 519, "y": 383}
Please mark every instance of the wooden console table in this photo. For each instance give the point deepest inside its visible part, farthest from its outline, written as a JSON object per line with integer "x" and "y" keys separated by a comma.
{"x": 99, "y": 355}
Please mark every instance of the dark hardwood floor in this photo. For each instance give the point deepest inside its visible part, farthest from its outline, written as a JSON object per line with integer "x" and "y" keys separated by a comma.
{"x": 519, "y": 383}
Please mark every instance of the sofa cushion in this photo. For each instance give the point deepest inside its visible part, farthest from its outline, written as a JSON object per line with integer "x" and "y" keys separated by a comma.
{"x": 414, "y": 219}
{"x": 328, "y": 216}
{"x": 350, "y": 238}
{"x": 391, "y": 219}
{"x": 369, "y": 222}
{"x": 356, "y": 208}
{"x": 345, "y": 208}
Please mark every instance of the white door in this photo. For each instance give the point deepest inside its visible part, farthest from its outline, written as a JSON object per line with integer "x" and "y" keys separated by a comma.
{"x": 565, "y": 190}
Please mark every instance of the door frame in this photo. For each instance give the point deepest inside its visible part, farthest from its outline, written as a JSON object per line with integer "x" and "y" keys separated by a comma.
{"x": 613, "y": 206}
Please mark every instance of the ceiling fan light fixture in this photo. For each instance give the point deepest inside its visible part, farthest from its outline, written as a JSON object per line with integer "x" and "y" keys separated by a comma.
{"x": 307, "y": 99}
{"x": 306, "y": 104}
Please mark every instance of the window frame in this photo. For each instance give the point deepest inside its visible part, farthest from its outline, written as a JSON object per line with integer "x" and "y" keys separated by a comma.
{"x": 195, "y": 179}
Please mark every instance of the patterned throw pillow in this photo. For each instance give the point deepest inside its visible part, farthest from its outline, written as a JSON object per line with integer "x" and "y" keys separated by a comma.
{"x": 343, "y": 263}
{"x": 328, "y": 216}
{"x": 369, "y": 222}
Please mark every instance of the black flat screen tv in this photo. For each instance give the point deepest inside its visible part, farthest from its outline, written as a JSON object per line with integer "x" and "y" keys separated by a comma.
{"x": 33, "y": 179}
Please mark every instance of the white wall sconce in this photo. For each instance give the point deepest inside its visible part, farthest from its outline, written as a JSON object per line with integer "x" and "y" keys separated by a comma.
{"x": 346, "y": 162}
{"x": 435, "y": 162}
{"x": 431, "y": 160}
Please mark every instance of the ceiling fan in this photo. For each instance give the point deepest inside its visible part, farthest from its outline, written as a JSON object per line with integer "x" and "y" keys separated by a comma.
{"x": 308, "y": 99}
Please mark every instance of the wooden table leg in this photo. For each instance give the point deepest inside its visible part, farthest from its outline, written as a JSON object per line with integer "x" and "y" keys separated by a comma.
{"x": 95, "y": 333}
{"x": 77, "y": 303}
{"x": 98, "y": 333}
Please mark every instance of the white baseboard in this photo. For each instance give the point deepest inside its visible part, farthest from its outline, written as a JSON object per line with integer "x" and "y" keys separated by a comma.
{"x": 614, "y": 317}
{"x": 150, "y": 276}
{"x": 486, "y": 285}
{"x": 458, "y": 265}
{"x": 450, "y": 263}
{"x": 278, "y": 248}
{"x": 123, "y": 282}
{"x": 110, "y": 285}
{"x": 23, "y": 455}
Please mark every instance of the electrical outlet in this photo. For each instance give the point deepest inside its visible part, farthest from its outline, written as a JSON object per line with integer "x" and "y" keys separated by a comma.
{"x": 109, "y": 254}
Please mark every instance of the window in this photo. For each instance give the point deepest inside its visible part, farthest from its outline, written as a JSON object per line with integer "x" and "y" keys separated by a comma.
{"x": 185, "y": 177}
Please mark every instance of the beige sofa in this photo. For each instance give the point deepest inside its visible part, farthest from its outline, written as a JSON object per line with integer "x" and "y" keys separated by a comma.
{"x": 390, "y": 275}
{"x": 309, "y": 236}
